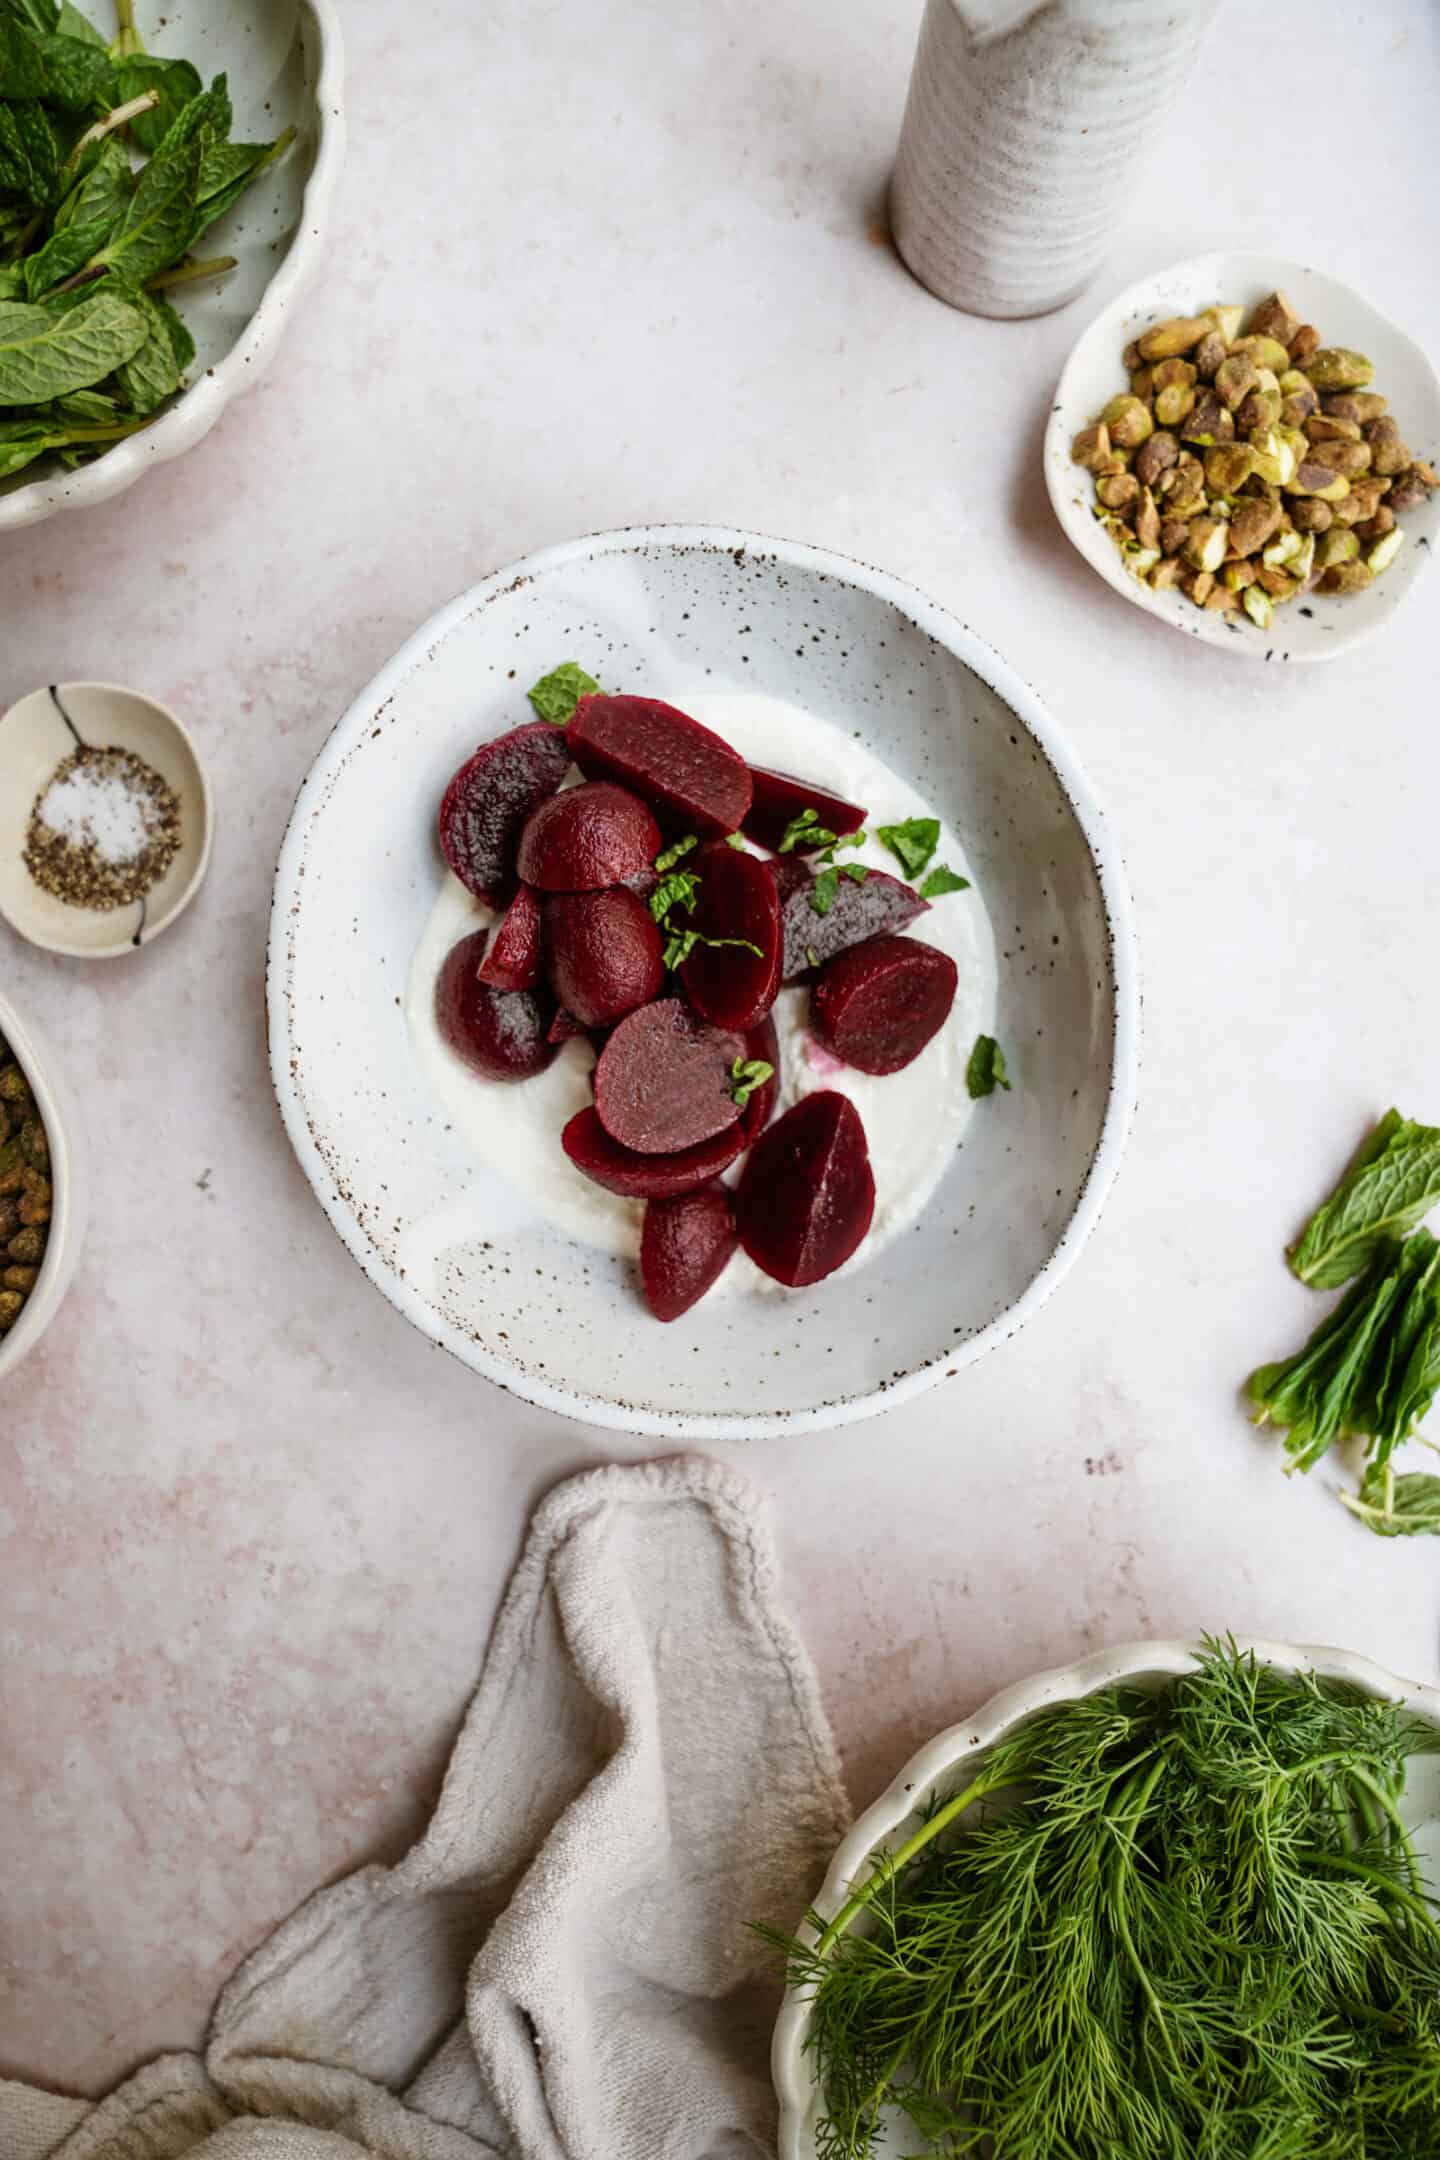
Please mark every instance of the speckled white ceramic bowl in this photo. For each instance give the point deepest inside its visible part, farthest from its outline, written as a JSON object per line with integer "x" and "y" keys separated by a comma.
{"x": 559, "y": 1322}
{"x": 60, "y": 1115}
{"x": 938, "y": 1771}
{"x": 1316, "y": 626}
{"x": 283, "y": 61}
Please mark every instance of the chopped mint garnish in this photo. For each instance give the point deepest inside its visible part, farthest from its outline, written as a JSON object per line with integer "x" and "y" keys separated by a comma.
{"x": 943, "y": 879}
{"x": 857, "y": 872}
{"x": 822, "y": 892}
{"x": 805, "y": 831}
{"x": 747, "y": 1074}
{"x": 912, "y": 843}
{"x": 986, "y": 1069}
{"x": 675, "y": 854}
{"x": 557, "y": 694}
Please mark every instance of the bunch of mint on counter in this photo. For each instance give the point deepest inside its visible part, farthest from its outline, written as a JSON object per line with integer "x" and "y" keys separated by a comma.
{"x": 1370, "y": 1371}
{"x": 91, "y": 241}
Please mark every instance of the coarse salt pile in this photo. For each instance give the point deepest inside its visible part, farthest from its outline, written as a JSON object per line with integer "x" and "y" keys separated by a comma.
{"x": 103, "y": 830}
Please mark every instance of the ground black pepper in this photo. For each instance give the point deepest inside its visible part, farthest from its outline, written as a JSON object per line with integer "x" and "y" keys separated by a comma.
{"x": 103, "y": 830}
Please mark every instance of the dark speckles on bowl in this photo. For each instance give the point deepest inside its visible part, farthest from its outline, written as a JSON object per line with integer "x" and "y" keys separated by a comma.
{"x": 660, "y": 608}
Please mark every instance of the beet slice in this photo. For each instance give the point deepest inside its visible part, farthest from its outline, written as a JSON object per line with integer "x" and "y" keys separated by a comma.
{"x": 646, "y": 1177}
{"x": 807, "y": 1195}
{"x": 589, "y": 836}
{"x": 602, "y": 954}
{"x": 878, "y": 1005}
{"x": 728, "y": 983}
{"x": 780, "y": 797}
{"x": 878, "y": 905}
{"x": 690, "y": 776}
{"x": 663, "y": 1079}
{"x": 489, "y": 799}
{"x": 762, "y": 1042}
{"x": 500, "y": 1033}
{"x": 513, "y": 960}
{"x": 564, "y": 1027}
{"x": 685, "y": 1247}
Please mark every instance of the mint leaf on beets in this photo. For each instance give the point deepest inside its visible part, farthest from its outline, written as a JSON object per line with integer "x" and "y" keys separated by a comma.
{"x": 805, "y": 831}
{"x": 856, "y": 871}
{"x": 912, "y": 843}
{"x": 675, "y": 854}
{"x": 943, "y": 879}
{"x": 735, "y": 840}
{"x": 747, "y": 1074}
{"x": 557, "y": 694}
{"x": 822, "y": 892}
{"x": 986, "y": 1069}
{"x": 681, "y": 943}
{"x": 677, "y": 890}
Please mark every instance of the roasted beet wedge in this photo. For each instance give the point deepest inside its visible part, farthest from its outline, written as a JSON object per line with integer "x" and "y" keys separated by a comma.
{"x": 737, "y": 901}
{"x": 490, "y": 797}
{"x": 691, "y": 777}
{"x": 806, "y": 1197}
{"x": 563, "y": 1028}
{"x": 763, "y": 1043}
{"x": 501, "y": 1033}
{"x": 513, "y": 960}
{"x": 602, "y": 954}
{"x": 685, "y": 1248}
{"x": 646, "y": 1177}
{"x": 588, "y": 837}
{"x": 779, "y": 798}
{"x": 663, "y": 1080}
{"x": 878, "y": 1005}
{"x": 856, "y": 912}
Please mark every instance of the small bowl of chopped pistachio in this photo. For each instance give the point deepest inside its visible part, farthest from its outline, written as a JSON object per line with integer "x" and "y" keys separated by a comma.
{"x": 42, "y": 1209}
{"x": 105, "y": 819}
{"x": 1246, "y": 448}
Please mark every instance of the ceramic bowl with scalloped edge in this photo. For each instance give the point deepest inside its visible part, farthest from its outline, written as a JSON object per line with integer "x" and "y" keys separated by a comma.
{"x": 283, "y": 62}
{"x": 1314, "y": 626}
{"x": 60, "y": 1115}
{"x": 940, "y": 1768}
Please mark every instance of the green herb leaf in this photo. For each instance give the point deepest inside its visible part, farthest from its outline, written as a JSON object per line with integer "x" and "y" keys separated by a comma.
{"x": 1407, "y": 1506}
{"x": 44, "y": 355}
{"x": 822, "y": 892}
{"x": 736, "y": 840}
{"x": 68, "y": 249}
{"x": 857, "y": 872}
{"x": 22, "y": 65}
{"x": 682, "y": 943}
{"x": 29, "y": 152}
{"x": 673, "y": 855}
{"x": 1392, "y": 1183}
{"x": 746, "y": 1075}
{"x": 226, "y": 173}
{"x": 178, "y": 84}
{"x": 912, "y": 843}
{"x": 943, "y": 879}
{"x": 159, "y": 217}
{"x": 12, "y": 281}
{"x": 102, "y": 193}
{"x": 42, "y": 15}
{"x": 72, "y": 24}
{"x": 805, "y": 831}
{"x": 153, "y": 373}
{"x": 679, "y": 889}
{"x": 211, "y": 112}
{"x": 557, "y": 694}
{"x": 78, "y": 75}
{"x": 812, "y": 956}
{"x": 986, "y": 1068}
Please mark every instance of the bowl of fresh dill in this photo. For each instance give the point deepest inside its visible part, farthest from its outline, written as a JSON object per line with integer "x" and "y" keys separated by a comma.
{"x": 1173, "y": 1900}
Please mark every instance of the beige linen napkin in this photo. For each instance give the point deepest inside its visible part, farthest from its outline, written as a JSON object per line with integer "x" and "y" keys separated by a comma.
{"x": 560, "y": 1969}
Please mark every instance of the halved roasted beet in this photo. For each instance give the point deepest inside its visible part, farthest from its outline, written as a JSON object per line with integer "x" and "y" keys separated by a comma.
{"x": 738, "y": 906}
{"x": 685, "y": 1248}
{"x": 857, "y": 911}
{"x": 690, "y": 776}
{"x": 564, "y": 1027}
{"x": 501, "y": 1033}
{"x": 589, "y": 836}
{"x": 806, "y": 1196}
{"x": 513, "y": 960}
{"x": 781, "y": 797}
{"x": 663, "y": 1079}
{"x": 878, "y": 1005}
{"x": 762, "y": 1042}
{"x": 602, "y": 954}
{"x": 488, "y": 800}
{"x": 646, "y": 1177}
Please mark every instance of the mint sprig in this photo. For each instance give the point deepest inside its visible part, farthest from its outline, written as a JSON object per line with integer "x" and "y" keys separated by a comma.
{"x": 557, "y": 694}
{"x": 912, "y": 843}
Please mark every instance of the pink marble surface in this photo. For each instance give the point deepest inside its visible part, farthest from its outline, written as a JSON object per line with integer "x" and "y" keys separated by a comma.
{"x": 595, "y": 268}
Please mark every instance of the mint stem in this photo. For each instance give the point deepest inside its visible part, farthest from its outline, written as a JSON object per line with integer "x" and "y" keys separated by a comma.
{"x": 185, "y": 273}
{"x": 120, "y": 117}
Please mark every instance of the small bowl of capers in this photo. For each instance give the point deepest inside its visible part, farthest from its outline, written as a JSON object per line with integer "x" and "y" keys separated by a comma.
{"x": 42, "y": 1193}
{"x": 1246, "y": 448}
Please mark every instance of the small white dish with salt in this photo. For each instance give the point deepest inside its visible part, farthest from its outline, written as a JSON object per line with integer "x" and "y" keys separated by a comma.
{"x": 105, "y": 819}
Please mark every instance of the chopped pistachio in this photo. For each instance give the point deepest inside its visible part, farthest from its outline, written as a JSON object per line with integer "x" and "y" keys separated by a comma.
{"x": 1265, "y": 352}
{"x": 1209, "y": 421}
{"x": 1383, "y": 553}
{"x": 1237, "y": 575}
{"x": 1275, "y": 582}
{"x": 1221, "y": 601}
{"x": 1128, "y": 421}
{"x": 1154, "y": 456}
{"x": 1118, "y": 489}
{"x": 1336, "y": 546}
{"x": 1196, "y": 584}
{"x": 1410, "y": 489}
{"x": 1228, "y": 466}
{"x": 1226, "y": 320}
{"x": 1259, "y": 409}
{"x": 1336, "y": 367}
{"x": 1350, "y": 458}
{"x": 1275, "y": 318}
{"x": 1304, "y": 562}
{"x": 1178, "y": 335}
{"x": 1207, "y": 543}
{"x": 1173, "y": 404}
{"x": 1296, "y": 409}
{"x": 1389, "y": 455}
{"x": 1142, "y": 383}
{"x": 1257, "y": 605}
{"x": 1375, "y": 528}
{"x": 1311, "y": 515}
{"x": 1323, "y": 427}
{"x": 1275, "y": 458}
{"x": 1167, "y": 572}
{"x": 1174, "y": 532}
{"x": 1131, "y": 355}
{"x": 1114, "y": 461}
{"x": 1255, "y": 522}
{"x": 1361, "y": 405}
{"x": 1314, "y": 479}
{"x": 1346, "y": 577}
{"x": 1090, "y": 445}
{"x": 1283, "y": 550}
{"x": 1208, "y": 354}
{"x": 1170, "y": 373}
{"x": 1141, "y": 561}
{"x": 1305, "y": 341}
{"x": 1147, "y": 521}
{"x": 1235, "y": 378}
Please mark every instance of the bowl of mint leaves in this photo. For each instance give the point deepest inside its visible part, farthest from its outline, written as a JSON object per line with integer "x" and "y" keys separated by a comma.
{"x": 164, "y": 189}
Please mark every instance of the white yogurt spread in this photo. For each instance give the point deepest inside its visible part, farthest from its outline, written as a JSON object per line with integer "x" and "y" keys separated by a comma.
{"x": 913, "y": 1119}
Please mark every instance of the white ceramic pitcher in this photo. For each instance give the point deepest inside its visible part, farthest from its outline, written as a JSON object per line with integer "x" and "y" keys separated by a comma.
{"x": 1024, "y": 134}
